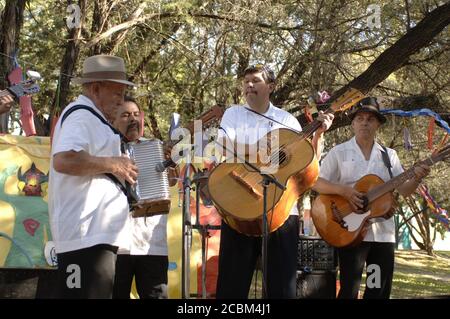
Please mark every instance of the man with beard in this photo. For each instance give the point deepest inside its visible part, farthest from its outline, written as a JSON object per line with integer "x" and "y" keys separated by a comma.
{"x": 147, "y": 258}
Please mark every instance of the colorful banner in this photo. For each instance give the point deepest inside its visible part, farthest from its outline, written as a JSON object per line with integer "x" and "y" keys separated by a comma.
{"x": 24, "y": 224}
{"x": 420, "y": 112}
{"x": 441, "y": 214}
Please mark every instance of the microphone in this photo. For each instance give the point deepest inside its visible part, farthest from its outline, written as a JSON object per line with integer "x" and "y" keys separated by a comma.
{"x": 174, "y": 124}
{"x": 162, "y": 166}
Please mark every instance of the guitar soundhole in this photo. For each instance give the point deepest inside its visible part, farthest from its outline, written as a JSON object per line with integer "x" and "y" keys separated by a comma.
{"x": 282, "y": 157}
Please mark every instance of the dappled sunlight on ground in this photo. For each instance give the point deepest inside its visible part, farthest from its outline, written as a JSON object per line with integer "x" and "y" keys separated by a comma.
{"x": 418, "y": 275}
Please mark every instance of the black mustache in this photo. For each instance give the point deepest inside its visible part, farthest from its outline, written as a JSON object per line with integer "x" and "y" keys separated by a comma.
{"x": 133, "y": 125}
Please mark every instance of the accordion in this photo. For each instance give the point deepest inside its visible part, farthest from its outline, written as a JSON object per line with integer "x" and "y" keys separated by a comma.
{"x": 151, "y": 194}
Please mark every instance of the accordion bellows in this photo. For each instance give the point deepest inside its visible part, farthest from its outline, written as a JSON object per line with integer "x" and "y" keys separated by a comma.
{"x": 151, "y": 192}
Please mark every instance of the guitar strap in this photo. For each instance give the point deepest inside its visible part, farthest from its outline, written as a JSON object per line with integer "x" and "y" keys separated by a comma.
{"x": 125, "y": 189}
{"x": 270, "y": 119}
{"x": 386, "y": 160}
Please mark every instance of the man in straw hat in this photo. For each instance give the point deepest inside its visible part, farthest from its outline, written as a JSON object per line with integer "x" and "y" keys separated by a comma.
{"x": 343, "y": 166}
{"x": 87, "y": 203}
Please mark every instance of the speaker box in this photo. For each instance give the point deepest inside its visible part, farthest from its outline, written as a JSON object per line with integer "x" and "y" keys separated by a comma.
{"x": 315, "y": 254}
{"x": 27, "y": 283}
{"x": 316, "y": 285}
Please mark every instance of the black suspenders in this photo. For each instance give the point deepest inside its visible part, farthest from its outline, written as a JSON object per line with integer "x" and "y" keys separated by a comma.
{"x": 110, "y": 176}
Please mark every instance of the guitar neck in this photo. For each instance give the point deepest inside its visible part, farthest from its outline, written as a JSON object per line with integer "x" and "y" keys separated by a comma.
{"x": 343, "y": 102}
{"x": 315, "y": 125}
{"x": 397, "y": 181}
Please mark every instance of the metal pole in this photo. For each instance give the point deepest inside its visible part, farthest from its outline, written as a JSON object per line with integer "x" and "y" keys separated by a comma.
{"x": 187, "y": 232}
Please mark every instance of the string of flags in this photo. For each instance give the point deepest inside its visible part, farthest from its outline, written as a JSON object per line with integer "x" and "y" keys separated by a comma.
{"x": 440, "y": 213}
{"x": 420, "y": 112}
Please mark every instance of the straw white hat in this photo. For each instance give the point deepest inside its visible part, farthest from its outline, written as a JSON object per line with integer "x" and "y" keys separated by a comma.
{"x": 103, "y": 68}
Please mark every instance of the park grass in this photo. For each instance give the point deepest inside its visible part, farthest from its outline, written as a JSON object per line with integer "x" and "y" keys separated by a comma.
{"x": 416, "y": 275}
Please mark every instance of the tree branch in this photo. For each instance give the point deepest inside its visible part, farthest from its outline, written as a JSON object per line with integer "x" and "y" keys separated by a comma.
{"x": 142, "y": 19}
{"x": 394, "y": 57}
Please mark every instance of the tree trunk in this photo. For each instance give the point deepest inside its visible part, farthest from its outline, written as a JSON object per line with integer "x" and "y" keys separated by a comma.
{"x": 117, "y": 39}
{"x": 12, "y": 20}
{"x": 141, "y": 65}
{"x": 100, "y": 17}
{"x": 153, "y": 122}
{"x": 68, "y": 63}
{"x": 423, "y": 229}
{"x": 244, "y": 59}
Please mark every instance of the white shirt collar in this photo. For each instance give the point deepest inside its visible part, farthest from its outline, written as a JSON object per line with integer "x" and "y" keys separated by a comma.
{"x": 83, "y": 99}
{"x": 269, "y": 111}
{"x": 375, "y": 144}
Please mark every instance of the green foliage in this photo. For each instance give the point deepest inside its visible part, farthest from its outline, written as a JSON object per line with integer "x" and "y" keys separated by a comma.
{"x": 191, "y": 52}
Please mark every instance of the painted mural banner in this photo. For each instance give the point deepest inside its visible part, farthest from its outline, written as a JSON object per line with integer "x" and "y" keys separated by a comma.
{"x": 25, "y": 236}
{"x": 24, "y": 224}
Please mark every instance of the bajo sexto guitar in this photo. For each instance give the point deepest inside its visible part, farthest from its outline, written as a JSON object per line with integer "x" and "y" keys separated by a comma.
{"x": 340, "y": 226}
{"x": 237, "y": 190}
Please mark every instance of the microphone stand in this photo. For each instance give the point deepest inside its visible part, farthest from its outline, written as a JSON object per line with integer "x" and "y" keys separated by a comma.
{"x": 202, "y": 229}
{"x": 187, "y": 232}
{"x": 267, "y": 180}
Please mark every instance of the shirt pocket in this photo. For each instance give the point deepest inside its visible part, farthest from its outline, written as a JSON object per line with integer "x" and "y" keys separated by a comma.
{"x": 380, "y": 169}
{"x": 351, "y": 172}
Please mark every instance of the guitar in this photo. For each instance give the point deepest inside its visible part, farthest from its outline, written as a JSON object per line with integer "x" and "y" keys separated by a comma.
{"x": 237, "y": 191}
{"x": 340, "y": 226}
{"x": 27, "y": 87}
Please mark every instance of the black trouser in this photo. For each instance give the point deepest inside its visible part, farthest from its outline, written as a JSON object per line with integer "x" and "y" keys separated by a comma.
{"x": 150, "y": 274}
{"x": 87, "y": 273}
{"x": 238, "y": 255}
{"x": 351, "y": 265}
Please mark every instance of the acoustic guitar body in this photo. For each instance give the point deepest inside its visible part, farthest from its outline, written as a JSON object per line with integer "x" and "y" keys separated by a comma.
{"x": 237, "y": 191}
{"x": 338, "y": 224}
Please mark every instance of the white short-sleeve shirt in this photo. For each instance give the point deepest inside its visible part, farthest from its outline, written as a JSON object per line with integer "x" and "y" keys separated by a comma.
{"x": 86, "y": 210}
{"x": 148, "y": 236}
{"x": 244, "y": 126}
{"x": 345, "y": 164}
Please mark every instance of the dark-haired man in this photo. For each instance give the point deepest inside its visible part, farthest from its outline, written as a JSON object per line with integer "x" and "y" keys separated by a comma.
{"x": 343, "y": 166}
{"x": 247, "y": 124}
{"x": 146, "y": 259}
